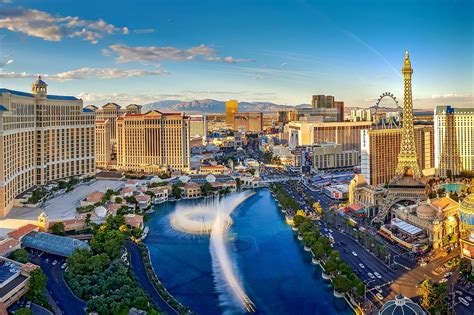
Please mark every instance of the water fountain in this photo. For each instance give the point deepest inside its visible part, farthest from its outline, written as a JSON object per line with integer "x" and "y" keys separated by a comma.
{"x": 213, "y": 218}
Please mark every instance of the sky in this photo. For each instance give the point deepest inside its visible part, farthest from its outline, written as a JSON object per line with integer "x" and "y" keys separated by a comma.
{"x": 276, "y": 51}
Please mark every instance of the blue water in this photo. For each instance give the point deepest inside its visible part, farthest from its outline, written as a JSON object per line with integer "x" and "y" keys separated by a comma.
{"x": 275, "y": 270}
{"x": 453, "y": 187}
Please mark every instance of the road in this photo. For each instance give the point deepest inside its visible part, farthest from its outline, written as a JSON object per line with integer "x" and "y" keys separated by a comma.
{"x": 138, "y": 268}
{"x": 56, "y": 285}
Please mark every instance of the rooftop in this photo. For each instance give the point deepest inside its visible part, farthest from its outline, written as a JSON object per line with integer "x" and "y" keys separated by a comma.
{"x": 22, "y": 231}
{"x": 51, "y": 97}
{"x": 53, "y": 244}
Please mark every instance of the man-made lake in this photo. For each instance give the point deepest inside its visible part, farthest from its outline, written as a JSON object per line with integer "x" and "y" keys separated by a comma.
{"x": 272, "y": 267}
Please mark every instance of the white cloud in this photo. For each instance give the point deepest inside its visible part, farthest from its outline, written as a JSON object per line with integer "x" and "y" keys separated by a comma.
{"x": 144, "y": 30}
{"x": 41, "y": 24}
{"x": 283, "y": 64}
{"x": 87, "y": 74}
{"x": 152, "y": 54}
{"x": 6, "y": 63}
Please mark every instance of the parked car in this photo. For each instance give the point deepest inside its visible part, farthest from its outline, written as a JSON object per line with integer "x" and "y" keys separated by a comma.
{"x": 362, "y": 266}
{"x": 467, "y": 297}
{"x": 448, "y": 274}
{"x": 458, "y": 292}
{"x": 443, "y": 280}
{"x": 354, "y": 253}
{"x": 463, "y": 301}
{"x": 377, "y": 275}
{"x": 371, "y": 275}
{"x": 379, "y": 296}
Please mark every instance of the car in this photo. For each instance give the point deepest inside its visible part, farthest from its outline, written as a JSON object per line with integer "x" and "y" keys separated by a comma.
{"x": 362, "y": 266}
{"x": 354, "y": 253}
{"x": 55, "y": 262}
{"x": 377, "y": 275}
{"x": 28, "y": 304}
{"x": 325, "y": 229}
{"x": 467, "y": 297}
{"x": 63, "y": 266}
{"x": 379, "y": 296}
{"x": 458, "y": 292}
{"x": 330, "y": 231}
{"x": 371, "y": 275}
{"x": 443, "y": 280}
{"x": 448, "y": 274}
{"x": 463, "y": 301}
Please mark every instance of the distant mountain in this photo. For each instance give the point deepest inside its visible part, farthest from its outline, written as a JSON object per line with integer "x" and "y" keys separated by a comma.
{"x": 211, "y": 106}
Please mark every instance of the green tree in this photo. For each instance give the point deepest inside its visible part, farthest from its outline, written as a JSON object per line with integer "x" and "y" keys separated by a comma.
{"x": 341, "y": 283}
{"x": 58, "y": 228}
{"x": 23, "y": 311}
{"x": 298, "y": 219}
{"x": 20, "y": 255}
{"x": 206, "y": 189}
{"x": 37, "y": 286}
{"x": 176, "y": 191}
{"x": 425, "y": 290}
{"x": 118, "y": 200}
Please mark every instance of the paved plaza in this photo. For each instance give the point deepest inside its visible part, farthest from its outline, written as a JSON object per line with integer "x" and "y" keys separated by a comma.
{"x": 59, "y": 208}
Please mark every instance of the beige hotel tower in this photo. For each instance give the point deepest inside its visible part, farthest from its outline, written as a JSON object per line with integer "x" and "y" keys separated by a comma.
{"x": 42, "y": 138}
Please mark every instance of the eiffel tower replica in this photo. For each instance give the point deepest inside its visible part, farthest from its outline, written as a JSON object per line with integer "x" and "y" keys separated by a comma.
{"x": 407, "y": 184}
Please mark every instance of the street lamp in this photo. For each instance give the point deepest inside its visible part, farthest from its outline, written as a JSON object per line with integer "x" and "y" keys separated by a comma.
{"x": 365, "y": 288}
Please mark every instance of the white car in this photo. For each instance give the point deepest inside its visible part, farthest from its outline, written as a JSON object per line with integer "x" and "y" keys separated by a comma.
{"x": 443, "y": 280}
{"x": 55, "y": 263}
{"x": 467, "y": 297}
{"x": 325, "y": 229}
{"x": 371, "y": 275}
{"x": 330, "y": 231}
{"x": 354, "y": 253}
{"x": 362, "y": 266}
{"x": 463, "y": 301}
{"x": 379, "y": 296}
{"x": 448, "y": 274}
{"x": 458, "y": 292}
{"x": 377, "y": 275}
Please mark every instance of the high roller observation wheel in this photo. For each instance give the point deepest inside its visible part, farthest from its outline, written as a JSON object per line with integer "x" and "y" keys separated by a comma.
{"x": 398, "y": 108}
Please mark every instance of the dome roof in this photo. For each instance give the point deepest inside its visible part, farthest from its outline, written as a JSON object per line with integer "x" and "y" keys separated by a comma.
{"x": 401, "y": 305}
{"x": 101, "y": 212}
{"x": 210, "y": 178}
{"x": 184, "y": 178}
{"x": 39, "y": 82}
{"x": 467, "y": 205}
{"x": 425, "y": 211}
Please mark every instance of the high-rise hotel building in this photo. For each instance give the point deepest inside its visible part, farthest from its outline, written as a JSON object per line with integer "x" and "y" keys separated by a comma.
{"x": 42, "y": 138}
{"x": 111, "y": 112}
{"x": 153, "y": 142}
{"x": 103, "y": 144}
{"x": 380, "y": 148}
{"x": 454, "y": 140}
{"x": 231, "y": 107}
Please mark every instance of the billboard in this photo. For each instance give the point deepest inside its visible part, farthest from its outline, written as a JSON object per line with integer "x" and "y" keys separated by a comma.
{"x": 467, "y": 249}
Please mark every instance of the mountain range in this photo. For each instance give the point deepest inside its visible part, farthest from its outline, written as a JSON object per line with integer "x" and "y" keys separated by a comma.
{"x": 210, "y": 106}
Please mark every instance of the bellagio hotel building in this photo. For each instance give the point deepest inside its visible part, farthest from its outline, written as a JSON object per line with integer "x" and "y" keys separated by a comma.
{"x": 42, "y": 138}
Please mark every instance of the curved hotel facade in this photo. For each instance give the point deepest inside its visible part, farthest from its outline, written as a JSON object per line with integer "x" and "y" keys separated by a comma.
{"x": 42, "y": 138}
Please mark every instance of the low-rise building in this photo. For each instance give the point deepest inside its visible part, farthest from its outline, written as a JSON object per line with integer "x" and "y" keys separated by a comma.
{"x": 191, "y": 190}
{"x": 9, "y": 245}
{"x": 214, "y": 169}
{"x": 144, "y": 201}
{"x": 134, "y": 221}
{"x": 330, "y": 155}
{"x": 14, "y": 280}
{"x": 92, "y": 199}
{"x": 338, "y": 192}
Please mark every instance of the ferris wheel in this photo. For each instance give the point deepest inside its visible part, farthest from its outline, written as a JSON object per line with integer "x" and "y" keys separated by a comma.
{"x": 387, "y": 117}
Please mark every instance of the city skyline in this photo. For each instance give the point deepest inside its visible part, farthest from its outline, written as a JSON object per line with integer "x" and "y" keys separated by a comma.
{"x": 243, "y": 51}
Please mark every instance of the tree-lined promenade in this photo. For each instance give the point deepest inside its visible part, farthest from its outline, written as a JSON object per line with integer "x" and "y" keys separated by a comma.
{"x": 344, "y": 280}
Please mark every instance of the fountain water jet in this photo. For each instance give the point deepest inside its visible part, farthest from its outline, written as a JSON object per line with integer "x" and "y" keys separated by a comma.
{"x": 213, "y": 217}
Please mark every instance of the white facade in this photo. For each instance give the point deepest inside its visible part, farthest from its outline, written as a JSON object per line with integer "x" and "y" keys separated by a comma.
{"x": 454, "y": 139}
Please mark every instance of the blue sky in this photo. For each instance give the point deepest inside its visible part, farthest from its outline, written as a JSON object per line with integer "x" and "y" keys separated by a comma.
{"x": 276, "y": 51}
